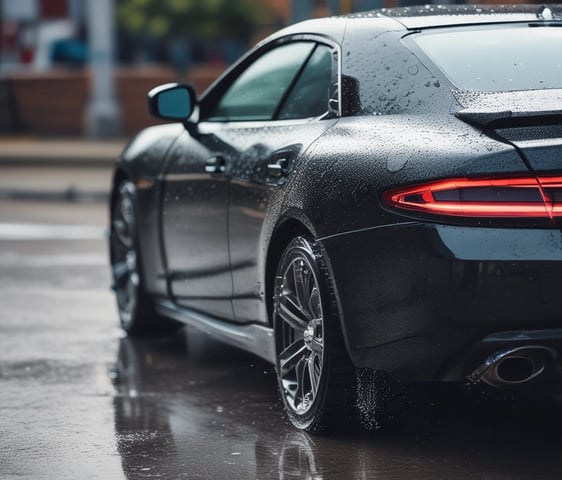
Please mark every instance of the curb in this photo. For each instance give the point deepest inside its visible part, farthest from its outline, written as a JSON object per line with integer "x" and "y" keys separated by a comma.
{"x": 70, "y": 195}
{"x": 63, "y": 153}
{"x": 34, "y": 161}
{"x": 20, "y": 156}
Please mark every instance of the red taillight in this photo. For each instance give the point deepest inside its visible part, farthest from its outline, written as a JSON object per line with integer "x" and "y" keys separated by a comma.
{"x": 523, "y": 197}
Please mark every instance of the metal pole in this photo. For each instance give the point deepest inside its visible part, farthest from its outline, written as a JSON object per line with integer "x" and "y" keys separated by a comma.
{"x": 300, "y": 10}
{"x": 103, "y": 116}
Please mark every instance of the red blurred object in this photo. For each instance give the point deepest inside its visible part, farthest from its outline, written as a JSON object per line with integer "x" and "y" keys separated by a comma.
{"x": 26, "y": 56}
{"x": 53, "y": 8}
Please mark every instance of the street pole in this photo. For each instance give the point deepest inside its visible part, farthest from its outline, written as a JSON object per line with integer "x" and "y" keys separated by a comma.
{"x": 103, "y": 115}
{"x": 300, "y": 10}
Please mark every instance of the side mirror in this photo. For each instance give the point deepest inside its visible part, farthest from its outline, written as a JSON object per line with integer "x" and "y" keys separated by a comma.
{"x": 172, "y": 101}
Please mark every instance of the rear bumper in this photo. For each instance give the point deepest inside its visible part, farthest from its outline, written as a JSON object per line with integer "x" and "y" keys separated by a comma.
{"x": 431, "y": 302}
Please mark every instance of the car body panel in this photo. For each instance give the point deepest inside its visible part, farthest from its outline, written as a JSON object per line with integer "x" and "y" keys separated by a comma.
{"x": 212, "y": 223}
{"x": 423, "y": 292}
{"x": 379, "y": 155}
{"x": 422, "y": 296}
{"x": 251, "y": 190}
{"x": 142, "y": 162}
{"x": 194, "y": 230}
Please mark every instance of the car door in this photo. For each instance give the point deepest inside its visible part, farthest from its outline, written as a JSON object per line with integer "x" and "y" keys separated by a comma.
{"x": 262, "y": 125}
{"x": 221, "y": 174}
{"x": 195, "y": 194}
{"x": 194, "y": 228}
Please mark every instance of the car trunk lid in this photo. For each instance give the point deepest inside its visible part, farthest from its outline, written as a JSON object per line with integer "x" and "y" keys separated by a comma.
{"x": 530, "y": 120}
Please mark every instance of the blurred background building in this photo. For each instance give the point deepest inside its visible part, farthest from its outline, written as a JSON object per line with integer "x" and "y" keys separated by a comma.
{"x": 49, "y": 76}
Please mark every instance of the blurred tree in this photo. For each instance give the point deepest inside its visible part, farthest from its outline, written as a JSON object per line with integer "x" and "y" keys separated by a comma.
{"x": 189, "y": 19}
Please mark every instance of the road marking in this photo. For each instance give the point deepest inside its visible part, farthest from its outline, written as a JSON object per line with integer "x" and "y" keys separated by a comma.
{"x": 55, "y": 260}
{"x": 32, "y": 231}
{"x": 10, "y": 294}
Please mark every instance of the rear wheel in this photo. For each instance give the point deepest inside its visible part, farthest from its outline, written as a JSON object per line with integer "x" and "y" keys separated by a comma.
{"x": 136, "y": 310}
{"x": 320, "y": 387}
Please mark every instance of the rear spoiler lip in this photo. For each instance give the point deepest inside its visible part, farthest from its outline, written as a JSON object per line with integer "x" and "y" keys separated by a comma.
{"x": 510, "y": 109}
{"x": 508, "y": 119}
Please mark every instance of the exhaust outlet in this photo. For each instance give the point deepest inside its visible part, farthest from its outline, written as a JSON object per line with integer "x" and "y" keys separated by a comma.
{"x": 514, "y": 366}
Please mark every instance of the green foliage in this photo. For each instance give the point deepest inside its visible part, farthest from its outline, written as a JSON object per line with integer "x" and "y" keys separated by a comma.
{"x": 207, "y": 19}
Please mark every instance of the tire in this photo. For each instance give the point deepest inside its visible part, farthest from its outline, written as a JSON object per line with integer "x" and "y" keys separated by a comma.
{"x": 137, "y": 315}
{"x": 321, "y": 389}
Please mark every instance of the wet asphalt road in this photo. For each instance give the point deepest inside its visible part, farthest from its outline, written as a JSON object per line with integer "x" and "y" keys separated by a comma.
{"x": 80, "y": 400}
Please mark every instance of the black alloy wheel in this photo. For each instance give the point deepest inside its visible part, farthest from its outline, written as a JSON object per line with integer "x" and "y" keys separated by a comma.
{"x": 313, "y": 369}
{"x": 136, "y": 310}
{"x": 321, "y": 389}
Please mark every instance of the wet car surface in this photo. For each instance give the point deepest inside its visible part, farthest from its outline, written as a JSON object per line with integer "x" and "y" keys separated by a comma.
{"x": 78, "y": 399}
{"x": 364, "y": 201}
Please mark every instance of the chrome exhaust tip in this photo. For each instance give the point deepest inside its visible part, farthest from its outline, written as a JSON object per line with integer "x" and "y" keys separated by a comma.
{"x": 514, "y": 366}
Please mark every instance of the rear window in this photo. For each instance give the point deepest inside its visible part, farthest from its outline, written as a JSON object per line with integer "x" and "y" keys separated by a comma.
{"x": 497, "y": 59}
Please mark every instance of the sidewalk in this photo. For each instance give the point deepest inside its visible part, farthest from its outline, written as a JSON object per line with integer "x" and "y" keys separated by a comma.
{"x": 58, "y": 170}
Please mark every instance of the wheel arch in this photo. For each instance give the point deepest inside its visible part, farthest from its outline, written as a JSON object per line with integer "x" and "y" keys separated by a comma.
{"x": 285, "y": 231}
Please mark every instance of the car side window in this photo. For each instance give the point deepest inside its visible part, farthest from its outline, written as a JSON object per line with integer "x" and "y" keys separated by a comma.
{"x": 258, "y": 91}
{"x": 311, "y": 93}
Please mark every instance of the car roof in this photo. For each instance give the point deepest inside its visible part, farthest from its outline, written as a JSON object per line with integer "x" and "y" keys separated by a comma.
{"x": 426, "y": 16}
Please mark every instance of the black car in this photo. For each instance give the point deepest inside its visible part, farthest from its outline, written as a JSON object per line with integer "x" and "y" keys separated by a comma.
{"x": 359, "y": 199}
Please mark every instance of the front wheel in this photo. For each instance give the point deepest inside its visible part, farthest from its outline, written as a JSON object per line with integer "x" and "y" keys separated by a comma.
{"x": 320, "y": 387}
{"x": 135, "y": 306}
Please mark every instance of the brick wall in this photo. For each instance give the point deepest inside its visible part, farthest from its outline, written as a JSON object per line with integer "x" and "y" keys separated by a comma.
{"x": 50, "y": 104}
{"x": 55, "y": 103}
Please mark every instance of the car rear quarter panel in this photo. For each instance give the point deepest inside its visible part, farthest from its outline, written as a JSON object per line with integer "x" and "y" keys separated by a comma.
{"x": 383, "y": 273}
{"x": 339, "y": 182}
{"x": 415, "y": 296}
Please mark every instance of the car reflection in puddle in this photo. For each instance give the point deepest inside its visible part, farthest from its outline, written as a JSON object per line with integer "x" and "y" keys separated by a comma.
{"x": 187, "y": 406}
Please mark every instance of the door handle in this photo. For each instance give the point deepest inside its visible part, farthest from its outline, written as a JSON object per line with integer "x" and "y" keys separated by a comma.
{"x": 278, "y": 168}
{"x": 216, "y": 164}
